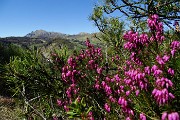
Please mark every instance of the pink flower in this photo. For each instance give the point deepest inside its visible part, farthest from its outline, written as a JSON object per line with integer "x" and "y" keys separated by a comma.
{"x": 173, "y": 52}
{"x": 164, "y": 116}
{"x": 154, "y": 68}
{"x": 173, "y": 116}
{"x": 128, "y": 118}
{"x": 162, "y": 96}
{"x": 59, "y": 102}
{"x": 90, "y": 116}
{"x": 160, "y": 60}
{"x": 66, "y": 108}
{"x": 117, "y": 78}
{"x": 147, "y": 70}
{"x": 171, "y": 71}
{"x": 69, "y": 73}
{"x": 137, "y": 92}
{"x": 128, "y": 93}
{"x": 175, "y": 45}
{"x": 97, "y": 86}
{"x": 165, "y": 58}
{"x": 112, "y": 99}
{"x": 107, "y": 107}
{"x": 157, "y": 72}
{"x": 122, "y": 101}
{"x": 142, "y": 116}
{"x": 99, "y": 70}
{"x": 108, "y": 90}
{"x": 164, "y": 82}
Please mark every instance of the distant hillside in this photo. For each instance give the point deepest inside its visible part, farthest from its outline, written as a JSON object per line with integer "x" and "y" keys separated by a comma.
{"x": 42, "y": 38}
{"x": 82, "y": 36}
{"x": 44, "y": 34}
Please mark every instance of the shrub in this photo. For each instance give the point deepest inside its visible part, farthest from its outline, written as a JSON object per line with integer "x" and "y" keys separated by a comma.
{"x": 141, "y": 88}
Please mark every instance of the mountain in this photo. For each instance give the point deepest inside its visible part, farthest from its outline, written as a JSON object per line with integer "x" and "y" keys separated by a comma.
{"x": 44, "y": 34}
{"x": 50, "y": 41}
{"x": 42, "y": 38}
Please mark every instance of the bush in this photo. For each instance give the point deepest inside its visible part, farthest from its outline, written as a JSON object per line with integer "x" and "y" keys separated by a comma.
{"x": 143, "y": 86}
{"x": 35, "y": 81}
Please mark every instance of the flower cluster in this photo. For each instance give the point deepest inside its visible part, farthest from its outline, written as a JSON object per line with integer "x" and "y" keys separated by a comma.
{"x": 142, "y": 73}
{"x": 175, "y": 46}
{"x": 171, "y": 116}
{"x": 75, "y": 74}
{"x": 134, "y": 41}
{"x": 136, "y": 72}
{"x": 156, "y": 27}
{"x": 160, "y": 92}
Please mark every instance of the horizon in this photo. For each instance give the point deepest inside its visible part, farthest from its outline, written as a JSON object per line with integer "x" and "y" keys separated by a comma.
{"x": 51, "y": 31}
{"x": 21, "y": 17}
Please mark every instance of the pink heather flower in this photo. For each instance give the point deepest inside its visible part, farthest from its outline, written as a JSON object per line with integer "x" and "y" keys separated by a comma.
{"x": 171, "y": 95}
{"x": 155, "y": 16}
{"x": 142, "y": 116}
{"x": 171, "y": 71}
{"x": 165, "y": 58}
{"x": 137, "y": 92}
{"x": 113, "y": 79}
{"x": 108, "y": 79}
{"x": 75, "y": 91}
{"x": 173, "y": 52}
{"x": 59, "y": 102}
{"x": 69, "y": 73}
{"x": 68, "y": 92}
{"x": 117, "y": 78}
{"x": 154, "y": 68}
{"x": 70, "y": 61}
{"x": 90, "y": 116}
{"x": 103, "y": 83}
{"x": 108, "y": 90}
{"x": 147, "y": 70}
{"x": 144, "y": 39}
{"x": 97, "y": 86}
{"x": 122, "y": 101}
{"x": 128, "y": 118}
{"x": 66, "y": 108}
{"x": 162, "y": 96}
{"x": 128, "y": 93}
{"x": 99, "y": 70}
{"x": 175, "y": 45}
{"x": 112, "y": 99}
{"x": 164, "y": 116}
{"x": 107, "y": 107}
{"x": 90, "y": 113}
{"x": 173, "y": 116}
{"x": 160, "y": 60}
{"x": 164, "y": 82}
{"x": 112, "y": 59}
{"x": 157, "y": 72}
{"x": 91, "y": 62}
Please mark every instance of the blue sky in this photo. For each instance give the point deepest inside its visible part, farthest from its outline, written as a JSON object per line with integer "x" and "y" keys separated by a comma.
{"x": 19, "y": 17}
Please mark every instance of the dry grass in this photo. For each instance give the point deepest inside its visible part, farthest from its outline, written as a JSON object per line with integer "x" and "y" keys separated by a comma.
{"x": 8, "y": 111}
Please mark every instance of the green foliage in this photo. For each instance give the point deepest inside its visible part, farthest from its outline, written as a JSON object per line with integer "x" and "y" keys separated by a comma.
{"x": 6, "y": 52}
{"x": 9, "y": 50}
{"x": 78, "y": 109}
{"x": 36, "y": 81}
{"x": 112, "y": 25}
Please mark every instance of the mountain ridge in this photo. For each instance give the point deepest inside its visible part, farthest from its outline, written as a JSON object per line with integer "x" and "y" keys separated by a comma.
{"x": 46, "y": 34}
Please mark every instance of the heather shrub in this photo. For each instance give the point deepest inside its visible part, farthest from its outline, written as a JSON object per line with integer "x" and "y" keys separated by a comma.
{"x": 143, "y": 85}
